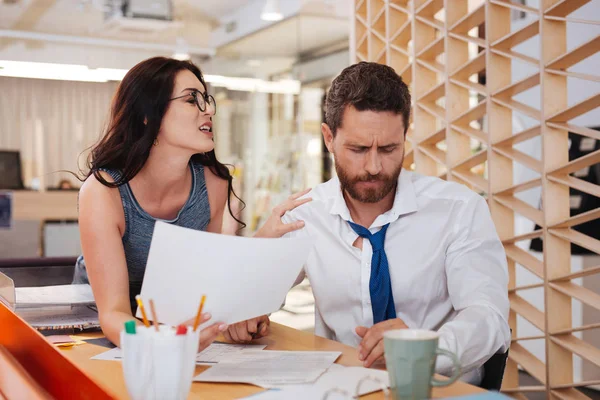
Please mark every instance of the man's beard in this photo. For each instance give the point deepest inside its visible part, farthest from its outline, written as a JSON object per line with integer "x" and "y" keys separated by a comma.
{"x": 369, "y": 195}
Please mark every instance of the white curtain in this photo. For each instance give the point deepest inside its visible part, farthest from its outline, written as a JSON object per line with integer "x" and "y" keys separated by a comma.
{"x": 52, "y": 124}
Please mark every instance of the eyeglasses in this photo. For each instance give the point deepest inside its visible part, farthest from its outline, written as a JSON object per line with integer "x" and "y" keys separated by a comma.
{"x": 201, "y": 99}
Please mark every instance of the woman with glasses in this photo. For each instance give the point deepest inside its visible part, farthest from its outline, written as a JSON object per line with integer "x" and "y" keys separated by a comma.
{"x": 156, "y": 161}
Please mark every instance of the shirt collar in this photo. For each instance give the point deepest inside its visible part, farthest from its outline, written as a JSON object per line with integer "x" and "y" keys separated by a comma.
{"x": 405, "y": 201}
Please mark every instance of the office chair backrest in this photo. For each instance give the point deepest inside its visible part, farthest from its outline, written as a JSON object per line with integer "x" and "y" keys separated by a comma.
{"x": 493, "y": 372}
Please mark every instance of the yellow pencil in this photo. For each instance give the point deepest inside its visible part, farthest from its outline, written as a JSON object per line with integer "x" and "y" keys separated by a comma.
{"x": 154, "y": 319}
{"x": 142, "y": 310}
{"x": 199, "y": 315}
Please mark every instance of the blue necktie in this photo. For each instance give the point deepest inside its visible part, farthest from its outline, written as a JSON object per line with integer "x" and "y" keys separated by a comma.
{"x": 380, "y": 284}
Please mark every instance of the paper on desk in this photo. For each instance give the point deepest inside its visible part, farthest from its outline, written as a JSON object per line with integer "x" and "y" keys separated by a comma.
{"x": 216, "y": 352}
{"x": 54, "y": 295}
{"x": 270, "y": 368}
{"x": 294, "y": 393}
{"x": 347, "y": 378}
{"x": 241, "y": 277}
{"x": 63, "y": 341}
{"x": 209, "y": 356}
{"x": 344, "y": 379}
{"x": 58, "y": 339}
{"x": 110, "y": 355}
{"x": 491, "y": 395}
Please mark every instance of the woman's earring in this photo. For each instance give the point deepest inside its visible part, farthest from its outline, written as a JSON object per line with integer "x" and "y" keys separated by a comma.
{"x": 155, "y": 142}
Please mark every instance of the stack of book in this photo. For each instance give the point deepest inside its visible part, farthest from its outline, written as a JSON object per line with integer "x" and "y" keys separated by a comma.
{"x": 64, "y": 308}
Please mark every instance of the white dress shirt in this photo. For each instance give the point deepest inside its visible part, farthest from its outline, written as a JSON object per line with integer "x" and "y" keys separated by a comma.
{"x": 447, "y": 267}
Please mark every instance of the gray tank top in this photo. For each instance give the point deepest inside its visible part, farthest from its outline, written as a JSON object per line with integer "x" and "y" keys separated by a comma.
{"x": 139, "y": 226}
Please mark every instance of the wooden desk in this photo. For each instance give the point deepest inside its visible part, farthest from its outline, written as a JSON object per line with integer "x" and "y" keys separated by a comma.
{"x": 51, "y": 205}
{"x": 108, "y": 374}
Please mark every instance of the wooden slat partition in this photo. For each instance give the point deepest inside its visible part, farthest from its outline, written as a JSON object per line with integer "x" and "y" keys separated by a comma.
{"x": 465, "y": 102}
{"x": 531, "y": 363}
{"x": 563, "y": 8}
{"x": 521, "y": 187}
{"x": 579, "y": 347}
{"x": 569, "y": 394}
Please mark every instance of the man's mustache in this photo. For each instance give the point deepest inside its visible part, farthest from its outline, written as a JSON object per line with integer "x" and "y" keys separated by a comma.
{"x": 371, "y": 178}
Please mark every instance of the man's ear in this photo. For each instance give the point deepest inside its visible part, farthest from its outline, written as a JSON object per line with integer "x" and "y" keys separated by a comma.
{"x": 327, "y": 137}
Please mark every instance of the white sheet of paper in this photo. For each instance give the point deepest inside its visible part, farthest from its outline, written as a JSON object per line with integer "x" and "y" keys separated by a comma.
{"x": 347, "y": 378}
{"x": 296, "y": 392}
{"x": 110, "y": 355}
{"x": 338, "y": 377}
{"x": 212, "y": 355}
{"x": 241, "y": 277}
{"x": 216, "y": 352}
{"x": 54, "y": 295}
{"x": 271, "y": 367}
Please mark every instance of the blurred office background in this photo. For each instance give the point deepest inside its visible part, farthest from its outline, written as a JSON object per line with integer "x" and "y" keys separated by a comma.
{"x": 268, "y": 65}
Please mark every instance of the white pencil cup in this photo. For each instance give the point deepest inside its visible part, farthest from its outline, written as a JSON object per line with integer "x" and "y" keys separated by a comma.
{"x": 159, "y": 365}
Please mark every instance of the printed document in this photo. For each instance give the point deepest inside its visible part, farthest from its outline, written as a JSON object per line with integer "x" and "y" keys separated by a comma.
{"x": 209, "y": 356}
{"x": 342, "y": 380}
{"x": 271, "y": 368}
{"x": 241, "y": 277}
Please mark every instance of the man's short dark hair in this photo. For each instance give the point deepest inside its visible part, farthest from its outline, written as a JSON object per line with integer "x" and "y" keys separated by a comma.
{"x": 367, "y": 86}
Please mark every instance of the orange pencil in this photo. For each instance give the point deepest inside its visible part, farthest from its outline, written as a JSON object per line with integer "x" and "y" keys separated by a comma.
{"x": 142, "y": 310}
{"x": 154, "y": 319}
{"x": 199, "y": 315}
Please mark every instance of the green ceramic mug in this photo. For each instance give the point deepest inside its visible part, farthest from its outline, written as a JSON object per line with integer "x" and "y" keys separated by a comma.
{"x": 410, "y": 356}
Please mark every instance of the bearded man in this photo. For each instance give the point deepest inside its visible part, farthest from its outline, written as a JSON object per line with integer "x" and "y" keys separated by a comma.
{"x": 396, "y": 249}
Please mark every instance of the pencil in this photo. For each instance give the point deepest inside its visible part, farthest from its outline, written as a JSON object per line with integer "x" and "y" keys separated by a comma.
{"x": 138, "y": 298}
{"x": 199, "y": 315}
{"x": 154, "y": 319}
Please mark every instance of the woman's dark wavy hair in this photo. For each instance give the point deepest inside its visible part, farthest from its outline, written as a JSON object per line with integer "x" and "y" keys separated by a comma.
{"x": 137, "y": 110}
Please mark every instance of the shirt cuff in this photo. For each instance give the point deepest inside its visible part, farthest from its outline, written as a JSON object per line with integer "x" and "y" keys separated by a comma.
{"x": 444, "y": 364}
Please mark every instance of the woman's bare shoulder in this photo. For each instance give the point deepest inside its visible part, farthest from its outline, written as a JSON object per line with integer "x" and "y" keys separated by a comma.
{"x": 217, "y": 187}
{"x": 95, "y": 197}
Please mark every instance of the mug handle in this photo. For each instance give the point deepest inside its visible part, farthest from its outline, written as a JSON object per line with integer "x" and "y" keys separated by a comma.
{"x": 457, "y": 370}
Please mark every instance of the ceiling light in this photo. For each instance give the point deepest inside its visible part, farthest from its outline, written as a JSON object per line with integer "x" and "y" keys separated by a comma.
{"x": 270, "y": 11}
{"x": 71, "y": 72}
{"x": 181, "y": 56}
{"x": 181, "y": 53}
{"x": 254, "y": 85}
{"x": 63, "y": 72}
{"x": 112, "y": 74}
{"x": 253, "y": 63}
